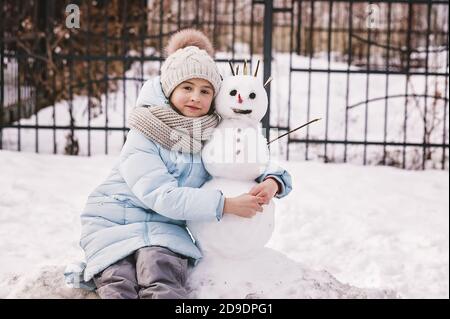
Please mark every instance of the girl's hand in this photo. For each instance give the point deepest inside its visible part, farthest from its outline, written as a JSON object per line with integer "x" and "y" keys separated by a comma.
{"x": 245, "y": 205}
{"x": 265, "y": 190}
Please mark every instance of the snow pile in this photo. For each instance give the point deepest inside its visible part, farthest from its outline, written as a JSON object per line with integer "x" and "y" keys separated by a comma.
{"x": 47, "y": 282}
{"x": 270, "y": 274}
{"x": 256, "y": 279}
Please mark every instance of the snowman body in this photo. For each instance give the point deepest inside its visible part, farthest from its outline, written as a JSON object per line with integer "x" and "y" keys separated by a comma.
{"x": 235, "y": 156}
{"x": 237, "y": 150}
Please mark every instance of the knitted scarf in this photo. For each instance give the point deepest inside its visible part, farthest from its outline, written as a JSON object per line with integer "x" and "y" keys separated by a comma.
{"x": 172, "y": 130}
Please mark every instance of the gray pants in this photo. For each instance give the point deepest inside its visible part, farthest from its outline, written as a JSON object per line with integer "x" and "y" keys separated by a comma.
{"x": 149, "y": 273}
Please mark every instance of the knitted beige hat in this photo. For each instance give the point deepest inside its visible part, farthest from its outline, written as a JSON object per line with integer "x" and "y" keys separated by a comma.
{"x": 189, "y": 56}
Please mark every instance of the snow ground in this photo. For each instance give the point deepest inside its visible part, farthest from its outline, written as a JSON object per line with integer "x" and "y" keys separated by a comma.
{"x": 343, "y": 226}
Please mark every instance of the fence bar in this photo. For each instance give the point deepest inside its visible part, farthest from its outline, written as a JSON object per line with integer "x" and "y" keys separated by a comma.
{"x": 252, "y": 25}
{"x": 310, "y": 46}
{"x": 355, "y": 142}
{"x": 408, "y": 62}
{"x": 54, "y": 107}
{"x": 71, "y": 149}
{"x": 53, "y": 74}
{"x": 233, "y": 31}
{"x": 197, "y": 13}
{"x": 267, "y": 49}
{"x": 425, "y": 133}
{"x": 19, "y": 102}
{"x": 291, "y": 48}
{"x": 179, "y": 15}
{"x": 142, "y": 32}
{"x": 2, "y": 77}
{"x": 105, "y": 78}
{"x": 347, "y": 93}
{"x": 444, "y": 125}
{"x": 88, "y": 71}
{"x": 327, "y": 112}
{"x": 366, "y": 106}
{"x": 312, "y": 70}
{"x": 386, "y": 88}
{"x": 161, "y": 24}
{"x": 124, "y": 53}
{"x": 299, "y": 27}
{"x": 67, "y": 127}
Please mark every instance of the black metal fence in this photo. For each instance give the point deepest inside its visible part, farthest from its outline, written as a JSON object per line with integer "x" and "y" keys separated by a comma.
{"x": 376, "y": 72}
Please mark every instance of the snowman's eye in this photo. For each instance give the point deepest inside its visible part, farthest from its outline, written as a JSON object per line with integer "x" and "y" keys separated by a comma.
{"x": 233, "y": 92}
{"x": 252, "y": 95}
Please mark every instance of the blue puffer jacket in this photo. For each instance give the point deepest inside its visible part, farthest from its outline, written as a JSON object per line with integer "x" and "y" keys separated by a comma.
{"x": 147, "y": 198}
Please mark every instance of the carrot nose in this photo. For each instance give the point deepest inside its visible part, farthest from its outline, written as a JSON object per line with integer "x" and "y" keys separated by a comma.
{"x": 240, "y": 99}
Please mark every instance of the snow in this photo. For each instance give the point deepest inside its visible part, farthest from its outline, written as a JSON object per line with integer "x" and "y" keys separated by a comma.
{"x": 345, "y": 231}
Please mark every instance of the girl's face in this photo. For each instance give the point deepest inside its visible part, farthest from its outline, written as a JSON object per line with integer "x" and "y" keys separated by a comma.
{"x": 193, "y": 97}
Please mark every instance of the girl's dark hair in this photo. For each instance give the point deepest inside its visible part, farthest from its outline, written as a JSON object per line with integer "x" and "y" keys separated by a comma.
{"x": 212, "y": 108}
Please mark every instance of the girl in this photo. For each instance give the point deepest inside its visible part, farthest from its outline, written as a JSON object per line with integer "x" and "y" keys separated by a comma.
{"x": 134, "y": 232}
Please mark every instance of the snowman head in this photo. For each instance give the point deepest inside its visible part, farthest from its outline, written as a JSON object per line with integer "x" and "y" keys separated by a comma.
{"x": 242, "y": 97}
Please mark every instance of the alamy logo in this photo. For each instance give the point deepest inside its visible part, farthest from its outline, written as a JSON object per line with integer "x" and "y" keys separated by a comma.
{"x": 73, "y": 16}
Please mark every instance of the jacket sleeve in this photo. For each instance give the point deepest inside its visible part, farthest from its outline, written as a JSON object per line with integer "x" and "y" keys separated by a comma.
{"x": 147, "y": 176}
{"x": 281, "y": 175}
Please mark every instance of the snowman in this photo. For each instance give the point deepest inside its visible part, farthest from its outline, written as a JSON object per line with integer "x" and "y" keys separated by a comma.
{"x": 235, "y": 156}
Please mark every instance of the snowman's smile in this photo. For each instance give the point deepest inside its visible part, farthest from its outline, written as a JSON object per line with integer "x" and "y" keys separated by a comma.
{"x": 239, "y": 111}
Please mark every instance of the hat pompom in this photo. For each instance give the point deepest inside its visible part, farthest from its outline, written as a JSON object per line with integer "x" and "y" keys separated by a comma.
{"x": 189, "y": 37}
